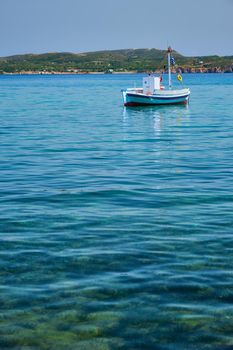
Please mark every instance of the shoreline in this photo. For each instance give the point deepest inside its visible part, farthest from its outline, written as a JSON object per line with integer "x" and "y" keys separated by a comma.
{"x": 104, "y": 73}
{"x": 65, "y": 73}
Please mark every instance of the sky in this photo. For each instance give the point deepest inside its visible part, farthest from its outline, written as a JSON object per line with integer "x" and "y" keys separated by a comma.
{"x": 191, "y": 27}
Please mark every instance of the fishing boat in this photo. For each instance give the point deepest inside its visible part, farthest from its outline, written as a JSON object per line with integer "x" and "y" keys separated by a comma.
{"x": 154, "y": 93}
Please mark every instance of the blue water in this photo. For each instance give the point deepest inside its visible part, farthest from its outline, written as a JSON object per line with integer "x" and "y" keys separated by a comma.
{"x": 116, "y": 225}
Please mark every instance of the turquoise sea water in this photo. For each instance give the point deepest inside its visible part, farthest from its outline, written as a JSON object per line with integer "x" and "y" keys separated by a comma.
{"x": 116, "y": 225}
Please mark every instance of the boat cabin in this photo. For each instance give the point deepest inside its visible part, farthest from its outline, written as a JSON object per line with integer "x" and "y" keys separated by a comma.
{"x": 150, "y": 84}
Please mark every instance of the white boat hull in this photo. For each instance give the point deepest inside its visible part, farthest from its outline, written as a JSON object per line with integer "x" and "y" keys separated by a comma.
{"x": 135, "y": 97}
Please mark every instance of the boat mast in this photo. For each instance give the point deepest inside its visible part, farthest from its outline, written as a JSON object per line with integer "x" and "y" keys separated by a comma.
{"x": 169, "y": 51}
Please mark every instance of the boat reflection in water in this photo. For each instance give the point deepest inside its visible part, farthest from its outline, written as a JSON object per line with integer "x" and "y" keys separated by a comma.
{"x": 158, "y": 119}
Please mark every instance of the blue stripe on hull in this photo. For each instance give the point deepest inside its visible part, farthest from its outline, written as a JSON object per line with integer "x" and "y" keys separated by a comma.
{"x": 135, "y": 100}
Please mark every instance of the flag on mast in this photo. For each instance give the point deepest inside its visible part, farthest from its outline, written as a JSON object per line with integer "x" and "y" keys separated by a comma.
{"x": 173, "y": 62}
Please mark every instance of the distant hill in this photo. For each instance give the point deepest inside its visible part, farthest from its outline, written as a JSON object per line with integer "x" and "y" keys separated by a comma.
{"x": 139, "y": 60}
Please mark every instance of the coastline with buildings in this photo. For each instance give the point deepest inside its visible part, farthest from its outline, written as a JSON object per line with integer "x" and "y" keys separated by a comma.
{"x": 71, "y": 72}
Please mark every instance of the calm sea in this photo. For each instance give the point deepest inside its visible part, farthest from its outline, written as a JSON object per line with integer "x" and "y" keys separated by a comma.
{"x": 116, "y": 225}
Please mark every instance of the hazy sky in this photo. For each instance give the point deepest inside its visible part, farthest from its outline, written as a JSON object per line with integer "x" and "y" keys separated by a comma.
{"x": 192, "y": 27}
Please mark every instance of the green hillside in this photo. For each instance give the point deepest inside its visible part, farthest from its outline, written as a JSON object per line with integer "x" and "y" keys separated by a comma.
{"x": 139, "y": 60}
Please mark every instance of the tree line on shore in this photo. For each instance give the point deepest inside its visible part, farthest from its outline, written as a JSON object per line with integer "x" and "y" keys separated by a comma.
{"x": 126, "y": 60}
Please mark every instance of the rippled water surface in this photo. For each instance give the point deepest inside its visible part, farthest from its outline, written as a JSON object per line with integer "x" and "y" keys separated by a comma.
{"x": 116, "y": 225}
